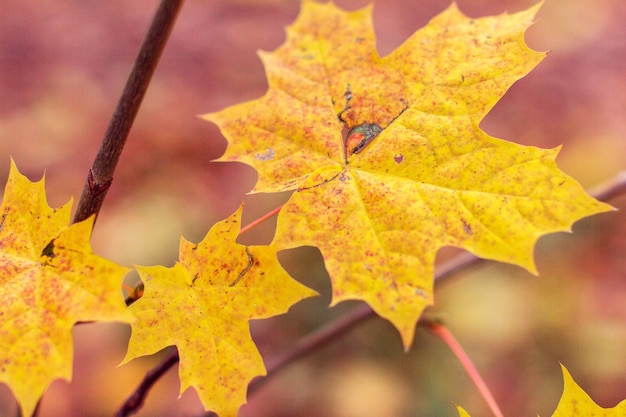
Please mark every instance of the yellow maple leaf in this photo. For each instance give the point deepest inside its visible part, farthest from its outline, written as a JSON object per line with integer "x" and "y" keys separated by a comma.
{"x": 576, "y": 403}
{"x": 386, "y": 157}
{"x": 202, "y": 305}
{"x": 462, "y": 412}
{"x": 49, "y": 280}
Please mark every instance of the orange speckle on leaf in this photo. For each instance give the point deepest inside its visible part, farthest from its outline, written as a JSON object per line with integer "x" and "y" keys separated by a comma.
{"x": 386, "y": 153}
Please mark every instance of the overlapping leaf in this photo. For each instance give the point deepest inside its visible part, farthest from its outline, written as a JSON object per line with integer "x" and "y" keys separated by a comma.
{"x": 385, "y": 154}
{"x": 203, "y": 304}
{"x": 49, "y": 280}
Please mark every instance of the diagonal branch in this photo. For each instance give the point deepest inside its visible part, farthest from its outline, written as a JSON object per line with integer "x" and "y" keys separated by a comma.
{"x": 135, "y": 401}
{"x": 340, "y": 327}
{"x": 335, "y": 330}
{"x": 314, "y": 341}
{"x": 611, "y": 188}
{"x": 100, "y": 175}
{"x": 455, "y": 347}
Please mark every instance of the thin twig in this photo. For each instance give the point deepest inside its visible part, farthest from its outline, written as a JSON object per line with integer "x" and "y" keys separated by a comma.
{"x": 314, "y": 342}
{"x": 611, "y": 188}
{"x": 455, "y": 347}
{"x": 309, "y": 344}
{"x": 101, "y": 173}
{"x": 260, "y": 220}
{"x": 340, "y": 327}
{"x": 135, "y": 401}
{"x": 461, "y": 262}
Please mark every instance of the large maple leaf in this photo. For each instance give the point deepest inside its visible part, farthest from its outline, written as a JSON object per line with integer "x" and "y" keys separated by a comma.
{"x": 49, "y": 280}
{"x": 386, "y": 157}
{"x": 203, "y": 304}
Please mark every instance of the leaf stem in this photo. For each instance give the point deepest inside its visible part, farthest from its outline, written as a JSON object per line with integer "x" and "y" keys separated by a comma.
{"x": 608, "y": 190}
{"x": 309, "y": 344}
{"x": 101, "y": 172}
{"x": 260, "y": 220}
{"x": 448, "y": 338}
{"x": 340, "y": 327}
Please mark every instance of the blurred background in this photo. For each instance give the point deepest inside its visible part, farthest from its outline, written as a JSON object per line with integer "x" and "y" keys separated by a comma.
{"x": 62, "y": 67}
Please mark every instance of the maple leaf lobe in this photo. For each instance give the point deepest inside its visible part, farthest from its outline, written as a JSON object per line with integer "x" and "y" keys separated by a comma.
{"x": 49, "y": 280}
{"x": 575, "y": 402}
{"x": 386, "y": 157}
{"x": 203, "y": 304}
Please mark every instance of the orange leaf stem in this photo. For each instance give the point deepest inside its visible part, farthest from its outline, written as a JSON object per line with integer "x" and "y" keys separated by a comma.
{"x": 342, "y": 325}
{"x": 335, "y": 330}
{"x": 448, "y": 338}
{"x": 260, "y": 220}
{"x": 130, "y": 290}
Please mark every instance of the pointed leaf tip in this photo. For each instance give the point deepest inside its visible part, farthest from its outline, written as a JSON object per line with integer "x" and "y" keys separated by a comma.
{"x": 203, "y": 305}
{"x": 49, "y": 280}
{"x": 385, "y": 156}
{"x": 462, "y": 412}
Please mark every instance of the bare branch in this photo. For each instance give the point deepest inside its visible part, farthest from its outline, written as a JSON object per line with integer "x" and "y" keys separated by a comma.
{"x": 341, "y": 326}
{"x": 135, "y": 401}
{"x": 610, "y": 189}
{"x": 100, "y": 175}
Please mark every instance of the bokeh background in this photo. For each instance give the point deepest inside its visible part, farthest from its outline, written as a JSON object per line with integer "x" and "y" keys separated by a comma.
{"x": 62, "y": 67}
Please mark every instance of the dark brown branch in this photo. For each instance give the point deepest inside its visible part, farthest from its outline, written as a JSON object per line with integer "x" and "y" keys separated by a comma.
{"x": 334, "y": 330}
{"x": 610, "y": 189}
{"x": 314, "y": 341}
{"x": 338, "y": 328}
{"x": 101, "y": 173}
{"x": 309, "y": 344}
{"x": 135, "y": 401}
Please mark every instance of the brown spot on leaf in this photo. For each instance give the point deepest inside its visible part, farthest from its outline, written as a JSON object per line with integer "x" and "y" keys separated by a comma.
{"x": 49, "y": 250}
{"x": 467, "y": 228}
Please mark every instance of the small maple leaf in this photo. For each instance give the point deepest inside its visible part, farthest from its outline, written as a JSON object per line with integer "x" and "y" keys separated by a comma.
{"x": 386, "y": 157}
{"x": 576, "y": 403}
{"x": 49, "y": 280}
{"x": 202, "y": 306}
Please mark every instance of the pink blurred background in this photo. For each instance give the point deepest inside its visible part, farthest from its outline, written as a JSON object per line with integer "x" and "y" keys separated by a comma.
{"x": 62, "y": 67}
